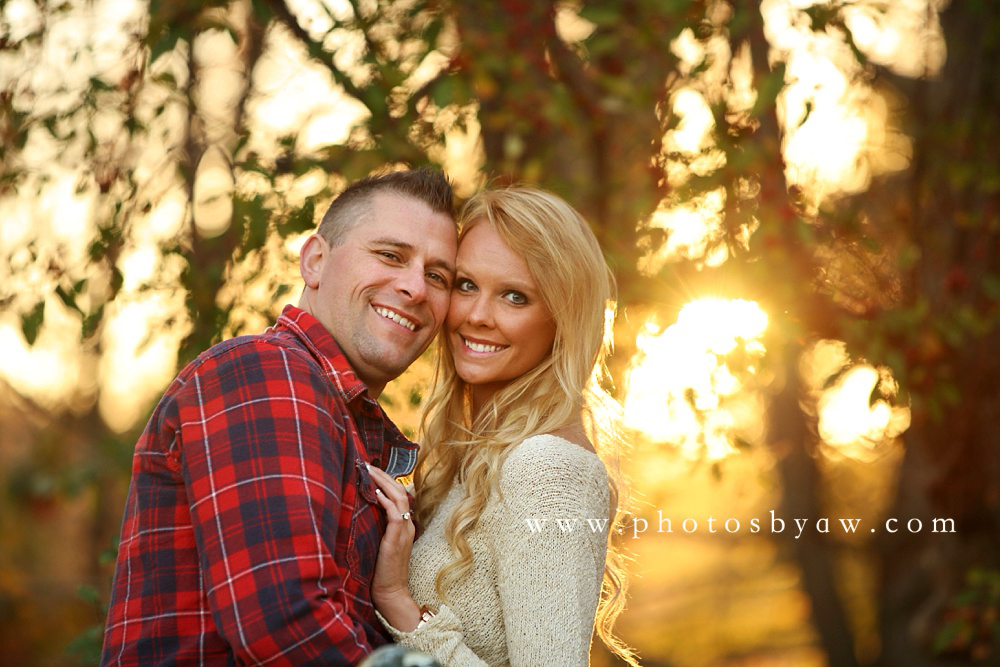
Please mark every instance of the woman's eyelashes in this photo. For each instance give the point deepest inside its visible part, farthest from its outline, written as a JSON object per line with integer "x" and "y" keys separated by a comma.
{"x": 513, "y": 297}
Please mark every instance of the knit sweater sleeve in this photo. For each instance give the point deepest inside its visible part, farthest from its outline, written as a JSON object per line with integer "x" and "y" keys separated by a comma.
{"x": 551, "y": 551}
{"x": 549, "y": 545}
{"x": 441, "y": 637}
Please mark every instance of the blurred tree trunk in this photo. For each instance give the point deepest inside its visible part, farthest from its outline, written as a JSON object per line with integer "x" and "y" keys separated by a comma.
{"x": 585, "y": 127}
{"x": 950, "y": 202}
{"x": 794, "y": 441}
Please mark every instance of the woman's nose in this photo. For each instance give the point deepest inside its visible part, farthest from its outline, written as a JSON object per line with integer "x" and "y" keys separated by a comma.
{"x": 480, "y": 312}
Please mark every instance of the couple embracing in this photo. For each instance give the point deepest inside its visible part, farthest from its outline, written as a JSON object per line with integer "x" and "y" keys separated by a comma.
{"x": 264, "y": 523}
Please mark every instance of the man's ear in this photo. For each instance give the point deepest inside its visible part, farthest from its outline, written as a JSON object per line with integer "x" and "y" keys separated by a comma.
{"x": 311, "y": 259}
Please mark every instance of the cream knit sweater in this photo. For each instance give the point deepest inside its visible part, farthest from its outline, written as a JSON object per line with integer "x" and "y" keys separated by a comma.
{"x": 531, "y": 596}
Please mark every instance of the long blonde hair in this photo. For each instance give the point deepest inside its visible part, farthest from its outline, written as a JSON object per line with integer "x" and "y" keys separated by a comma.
{"x": 577, "y": 287}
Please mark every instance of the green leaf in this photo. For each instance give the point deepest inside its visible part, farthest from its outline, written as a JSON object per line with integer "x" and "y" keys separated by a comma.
{"x": 601, "y": 16}
{"x": 768, "y": 88}
{"x": 117, "y": 280}
{"x": 99, "y": 84}
{"x": 991, "y": 287}
{"x": 948, "y": 634}
{"x": 87, "y": 645}
{"x": 32, "y": 321}
{"x": 67, "y": 297}
{"x": 164, "y": 44}
{"x": 950, "y": 394}
{"x": 443, "y": 92}
{"x": 88, "y": 594}
{"x": 415, "y": 397}
{"x": 92, "y": 321}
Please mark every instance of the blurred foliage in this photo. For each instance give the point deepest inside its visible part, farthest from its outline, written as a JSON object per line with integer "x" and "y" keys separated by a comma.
{"x": 972, "y": 618}
{"x": 585, "y": 99}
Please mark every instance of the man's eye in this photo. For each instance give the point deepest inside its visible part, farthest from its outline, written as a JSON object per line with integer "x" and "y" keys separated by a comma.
{"x": 389, "y": 255}
{"x": 438, "y": 278}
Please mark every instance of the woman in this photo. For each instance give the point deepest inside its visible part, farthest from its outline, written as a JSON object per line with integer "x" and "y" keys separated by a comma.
{"x": 512, "y": 497}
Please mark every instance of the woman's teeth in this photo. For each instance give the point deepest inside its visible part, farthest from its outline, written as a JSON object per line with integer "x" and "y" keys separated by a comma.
{"x": 479, "y": 347}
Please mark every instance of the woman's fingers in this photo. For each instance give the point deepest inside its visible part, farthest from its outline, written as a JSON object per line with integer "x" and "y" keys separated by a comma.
{"x": 386, "y": 482}
{"x": 391, "y": 495}
{"x": 388, "y": 504}
{"x": 390, "y": 580}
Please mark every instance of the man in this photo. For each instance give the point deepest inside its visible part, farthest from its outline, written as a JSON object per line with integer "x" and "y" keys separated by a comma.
{"x": 252, "y": 527}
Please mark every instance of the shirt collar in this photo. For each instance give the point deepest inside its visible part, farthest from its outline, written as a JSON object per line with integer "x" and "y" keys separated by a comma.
{"x": 402, "y": 453}
{"x": 314, "y": 335}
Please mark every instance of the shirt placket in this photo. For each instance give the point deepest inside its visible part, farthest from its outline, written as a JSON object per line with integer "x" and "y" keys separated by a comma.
{"x": 371, "y": 430}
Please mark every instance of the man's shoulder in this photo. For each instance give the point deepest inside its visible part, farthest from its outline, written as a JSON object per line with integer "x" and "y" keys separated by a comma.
{"x": 264, "y": 352}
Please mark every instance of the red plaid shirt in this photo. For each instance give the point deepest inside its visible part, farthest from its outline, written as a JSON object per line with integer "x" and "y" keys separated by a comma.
{"x": 251, "y": 528}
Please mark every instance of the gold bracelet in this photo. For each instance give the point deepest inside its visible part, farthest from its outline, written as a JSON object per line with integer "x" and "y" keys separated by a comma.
{"x": 426, "y": 614}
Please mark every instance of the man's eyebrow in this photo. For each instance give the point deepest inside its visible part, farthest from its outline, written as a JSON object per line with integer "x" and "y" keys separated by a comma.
{"x": 395, "y": 243}
{"x": 442, "y": 264}
{"x": 409, "y": 247}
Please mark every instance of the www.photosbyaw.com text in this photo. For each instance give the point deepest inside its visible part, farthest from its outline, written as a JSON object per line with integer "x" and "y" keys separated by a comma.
{"x": 636, "y": 527}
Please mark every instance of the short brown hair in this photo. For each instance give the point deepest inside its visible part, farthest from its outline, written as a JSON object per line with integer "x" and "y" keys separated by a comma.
{"x": 351, "y": 206}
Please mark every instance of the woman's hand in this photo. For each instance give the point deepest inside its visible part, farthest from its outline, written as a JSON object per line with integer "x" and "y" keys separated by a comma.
{"x": 390, "y": 584}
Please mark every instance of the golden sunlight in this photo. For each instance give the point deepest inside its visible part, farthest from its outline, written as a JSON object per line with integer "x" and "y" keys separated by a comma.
{"x": 48, "y": 372}
{"x": 692, "y": 228}
{"x": 845, "y": 414}
{"x": 838, "y": 133}
{"x": 141, "y": 359}
{"x": 851, "y": 424}
{"x": 679, "y": 388}
{"x": 296, "y": 93}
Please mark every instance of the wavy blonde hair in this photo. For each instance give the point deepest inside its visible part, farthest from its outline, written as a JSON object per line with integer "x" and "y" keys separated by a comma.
{"x": 563, "y": 390}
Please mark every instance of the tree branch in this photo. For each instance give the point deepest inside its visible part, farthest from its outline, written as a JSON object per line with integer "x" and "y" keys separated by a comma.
{"x": 281, "y": 12}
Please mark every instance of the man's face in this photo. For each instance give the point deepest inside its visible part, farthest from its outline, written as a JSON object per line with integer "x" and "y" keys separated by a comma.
{"x": 383, "y": 293}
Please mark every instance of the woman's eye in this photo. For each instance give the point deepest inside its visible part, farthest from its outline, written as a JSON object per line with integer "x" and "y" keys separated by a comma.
{"x": 465, "y": 285}
{"x": 516, "y": 298}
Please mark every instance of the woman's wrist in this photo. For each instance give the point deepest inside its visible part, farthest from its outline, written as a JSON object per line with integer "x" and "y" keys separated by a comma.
{"x": 400, "y": 610}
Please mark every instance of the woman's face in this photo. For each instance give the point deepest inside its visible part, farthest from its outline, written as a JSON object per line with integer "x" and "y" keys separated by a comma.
{"x": 499, "y": 328}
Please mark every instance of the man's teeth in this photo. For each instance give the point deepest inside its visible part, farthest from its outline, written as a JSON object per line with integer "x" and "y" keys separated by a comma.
{"x": 397, "y": 318}
{"x": 479, "y": 347}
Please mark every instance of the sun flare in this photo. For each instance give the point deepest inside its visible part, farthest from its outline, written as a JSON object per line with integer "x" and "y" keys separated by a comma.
{"x": 680, "y": 390}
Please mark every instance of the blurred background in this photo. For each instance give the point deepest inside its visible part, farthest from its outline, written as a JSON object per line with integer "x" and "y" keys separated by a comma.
{"x": 800, "y": 201}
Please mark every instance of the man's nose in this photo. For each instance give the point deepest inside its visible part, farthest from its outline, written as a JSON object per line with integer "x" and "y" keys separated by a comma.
{"x": 413, "y": 282}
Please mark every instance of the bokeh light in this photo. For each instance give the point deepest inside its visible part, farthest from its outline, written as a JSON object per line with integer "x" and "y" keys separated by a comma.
{"x": 679, "y": 388}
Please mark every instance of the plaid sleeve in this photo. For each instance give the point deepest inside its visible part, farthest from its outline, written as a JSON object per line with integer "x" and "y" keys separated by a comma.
{"x": 264, "y": 468}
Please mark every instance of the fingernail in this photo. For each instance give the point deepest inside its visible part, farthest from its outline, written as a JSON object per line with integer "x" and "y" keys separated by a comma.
{"x": 368, "y": 467}
{"x": 378, "y": 492}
